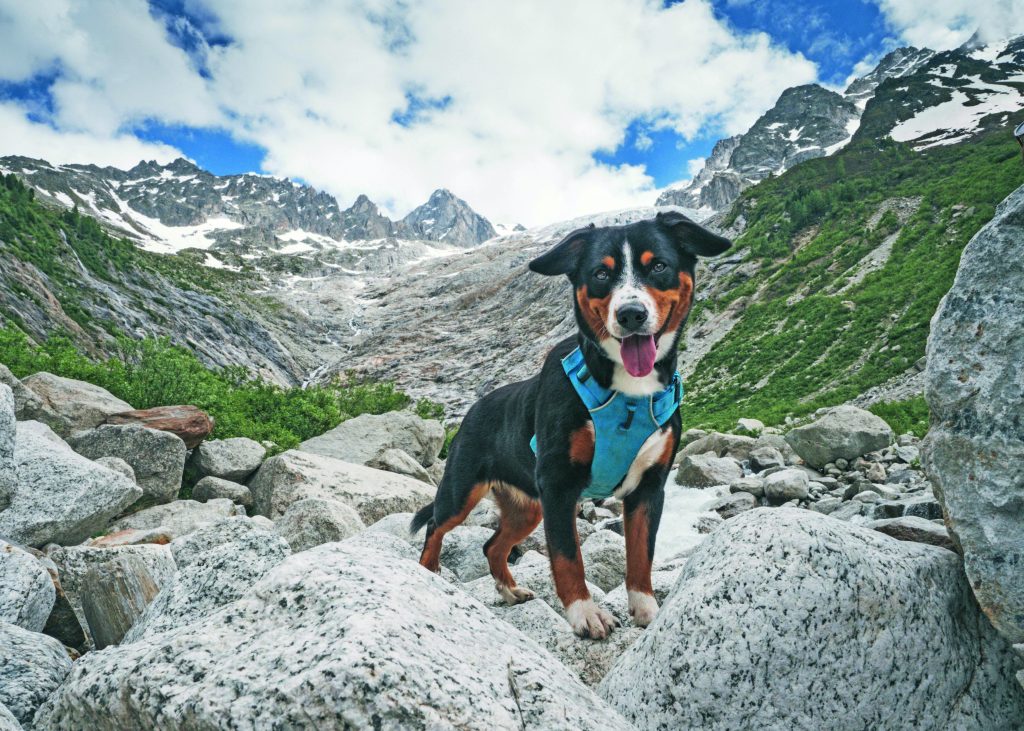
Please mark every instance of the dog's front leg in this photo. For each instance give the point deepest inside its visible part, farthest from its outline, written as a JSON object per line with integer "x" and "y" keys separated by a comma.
{"x": 642, "y": 516}
{"x": 585, "y": 616}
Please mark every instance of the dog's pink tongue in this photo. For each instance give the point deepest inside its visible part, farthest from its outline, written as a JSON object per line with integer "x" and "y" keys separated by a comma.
{"x": 638, "y": 353}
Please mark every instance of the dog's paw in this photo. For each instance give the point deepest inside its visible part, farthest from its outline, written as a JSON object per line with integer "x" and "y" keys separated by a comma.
{"x": 643, "y": 608}
{"x": 590, "y": 620}
{"x": 514, "y": 594}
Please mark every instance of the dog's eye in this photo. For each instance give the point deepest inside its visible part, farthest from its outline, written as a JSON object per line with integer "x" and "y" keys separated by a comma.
{"x": 601, "y": 273}
{"x": 659, "y": 267}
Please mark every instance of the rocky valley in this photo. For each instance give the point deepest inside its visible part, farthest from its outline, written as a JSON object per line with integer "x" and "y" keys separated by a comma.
{"x": 842, "y": 526}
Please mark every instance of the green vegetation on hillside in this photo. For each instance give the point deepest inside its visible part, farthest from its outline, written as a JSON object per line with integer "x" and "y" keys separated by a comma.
{"x": 801, "y": 343}
{"x": 153, "y": 372}
{"x": 904, "y": 416}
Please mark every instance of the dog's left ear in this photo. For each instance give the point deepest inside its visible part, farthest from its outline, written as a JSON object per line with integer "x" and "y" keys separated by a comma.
{"x": 691, "y": 236}
{"x": 562, "y": 259}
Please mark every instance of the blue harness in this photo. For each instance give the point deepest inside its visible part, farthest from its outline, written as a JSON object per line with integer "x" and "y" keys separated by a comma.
{"x": 621, "y": 423}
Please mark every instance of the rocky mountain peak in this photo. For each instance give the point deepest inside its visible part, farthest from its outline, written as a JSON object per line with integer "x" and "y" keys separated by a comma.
{"x": 446, "y": 218}
{"x": 807, "y": 121}
{"x": 895, "y": 64}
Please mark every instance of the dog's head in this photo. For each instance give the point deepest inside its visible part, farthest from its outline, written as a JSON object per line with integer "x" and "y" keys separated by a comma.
{"x": 634, "y": 284}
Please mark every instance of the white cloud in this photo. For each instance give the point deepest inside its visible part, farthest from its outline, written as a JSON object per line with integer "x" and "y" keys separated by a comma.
{"x": 534, "y": 89}
{"x": 695, "y": 165}
{"x": 21, "y": 136}
{"x": 945, "y": 24}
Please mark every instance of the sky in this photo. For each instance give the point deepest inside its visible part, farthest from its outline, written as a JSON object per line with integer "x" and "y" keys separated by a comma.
{"x": 533, "y": 111}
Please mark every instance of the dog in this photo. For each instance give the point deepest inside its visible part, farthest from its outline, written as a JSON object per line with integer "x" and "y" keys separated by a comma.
{"x": 601, "y": 417}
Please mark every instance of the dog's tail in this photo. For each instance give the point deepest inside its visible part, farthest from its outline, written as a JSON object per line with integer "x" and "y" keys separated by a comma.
{"x": 422, "y": 517}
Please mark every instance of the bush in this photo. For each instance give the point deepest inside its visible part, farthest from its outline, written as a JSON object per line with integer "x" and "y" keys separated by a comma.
{"x": 153, "y": 372}
{"x": 904, "y": 416}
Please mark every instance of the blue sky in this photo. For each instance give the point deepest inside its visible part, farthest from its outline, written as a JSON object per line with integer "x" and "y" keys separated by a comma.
{"x": 834, "y": 34}
{"x": 532, "y": 111}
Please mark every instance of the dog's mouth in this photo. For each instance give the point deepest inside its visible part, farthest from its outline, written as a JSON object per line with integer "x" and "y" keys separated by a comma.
{"x": 639, "y": 352}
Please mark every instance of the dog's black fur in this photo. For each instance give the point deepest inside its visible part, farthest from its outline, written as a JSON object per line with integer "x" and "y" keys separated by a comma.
{"x": 492, "y": 449}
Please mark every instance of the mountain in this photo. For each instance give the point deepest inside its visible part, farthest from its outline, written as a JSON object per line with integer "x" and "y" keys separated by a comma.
{"x": 168, "y": 208}
{"x": 62, "y": 274}
{"x": 838, "y": 266}
{"x": 806, "y": 122}
{"x": 446, "y": 218}
{"x": 839, "y": 261}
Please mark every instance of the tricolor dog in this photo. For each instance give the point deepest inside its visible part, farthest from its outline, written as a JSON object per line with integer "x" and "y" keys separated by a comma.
{"x": 600, "y": 419}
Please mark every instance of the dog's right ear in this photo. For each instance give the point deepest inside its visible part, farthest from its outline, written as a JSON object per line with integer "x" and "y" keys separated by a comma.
{"x": 562, "y": 259}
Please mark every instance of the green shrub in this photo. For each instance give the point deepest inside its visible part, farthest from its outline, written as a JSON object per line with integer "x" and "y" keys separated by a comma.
{"x": 904, "y": 416}
{"x": 153, "y": 372}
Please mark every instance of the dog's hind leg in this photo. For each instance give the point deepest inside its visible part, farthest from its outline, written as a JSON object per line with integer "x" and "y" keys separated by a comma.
{"x": 446, "y": 519}
{"x": 520, "y": 514}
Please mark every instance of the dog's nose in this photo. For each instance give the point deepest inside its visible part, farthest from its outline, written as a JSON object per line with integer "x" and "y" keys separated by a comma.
{"x": 631, "y": 316}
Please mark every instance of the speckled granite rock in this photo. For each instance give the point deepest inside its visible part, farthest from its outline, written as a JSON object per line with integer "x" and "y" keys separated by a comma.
{"x": 330, "y": 639}
{"x": 26, "y": 590}
{"x": 314, "y": 521}
{"x": 844, "y": 432}
{"x": 463, "y": 551}
{"x": 216, "y": 565}
{"x": 60, "y": 496}
{"x": 974, "y": 451}
{"x": 784, "y": 618}
{"x": 230, "y": 459}
{"x": 8, "y": 722}
{"x": 7, "y": 432}
{"x": 295, "y": 475}
{"x": 129, "y": 576}
{"x": 366, "y": 437}
{"x": 590, "y": 660}
{"x": 604, "y": 559}
{"x": 32, "y": 665}
{"x": 77, "y": 404}
{"x": 156, "y": 457}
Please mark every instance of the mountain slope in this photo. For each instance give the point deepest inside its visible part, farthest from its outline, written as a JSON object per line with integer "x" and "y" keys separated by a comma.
{"x": 806, "y": 122}
{"x": 62, "y": 273}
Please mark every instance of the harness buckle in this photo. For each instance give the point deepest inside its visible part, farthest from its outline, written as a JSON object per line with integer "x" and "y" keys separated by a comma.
{"x": 630, "y": 411}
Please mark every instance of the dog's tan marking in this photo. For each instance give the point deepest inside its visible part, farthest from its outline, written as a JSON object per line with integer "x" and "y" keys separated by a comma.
{"x": 646, "y": 258}
{"x": 636, "y": 524}
{"x": 594, "y": 311}
{"x": 431, "y": 555}
{"x": 520, "y": 514}
{"x": 581, "y": 444}
{"x": 609, "y": 261}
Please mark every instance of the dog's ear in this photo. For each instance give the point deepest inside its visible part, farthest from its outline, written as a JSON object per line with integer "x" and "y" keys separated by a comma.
{"x": 562, "y": 259}
{"x": 691, "y": 236}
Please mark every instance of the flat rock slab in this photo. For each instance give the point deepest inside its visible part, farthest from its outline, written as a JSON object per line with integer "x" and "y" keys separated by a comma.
{"x": 784, "y": 618}
{"x": 126, "y": 578}
{"x": 189, "y": 423}
{"x": 330, "y": 638}
{"x": 177, "y": 518}
{"x": 368, "y": 436}
{"x": 295, "y": 475}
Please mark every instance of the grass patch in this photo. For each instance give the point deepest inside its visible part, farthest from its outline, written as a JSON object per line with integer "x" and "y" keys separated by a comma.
{"x": 906, "y": 416}
{"x": 153, "y": 372}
